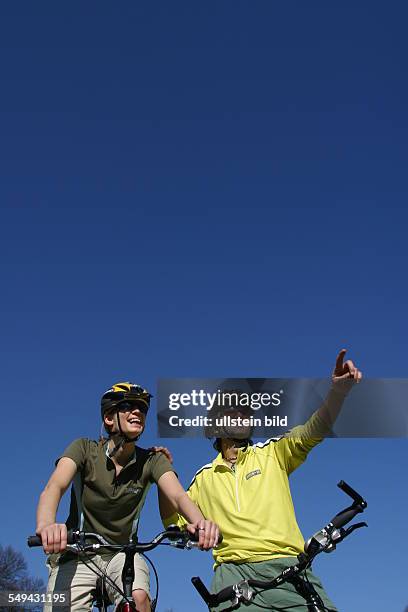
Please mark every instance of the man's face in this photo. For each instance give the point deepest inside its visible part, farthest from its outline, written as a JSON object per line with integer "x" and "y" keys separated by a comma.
{"x": 229, "y": 449}
{"x": 238, "y": 430}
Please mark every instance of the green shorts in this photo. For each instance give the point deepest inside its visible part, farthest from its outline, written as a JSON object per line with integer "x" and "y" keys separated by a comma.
{"x": 286, "y": 595}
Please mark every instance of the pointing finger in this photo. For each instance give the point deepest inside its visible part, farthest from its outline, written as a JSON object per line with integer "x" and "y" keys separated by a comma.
{"x": 339, "y": 359}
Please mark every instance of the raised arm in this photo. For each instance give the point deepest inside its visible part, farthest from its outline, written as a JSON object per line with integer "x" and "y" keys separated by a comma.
{"x": 54, "y": 535}
{"x": 344, "y": 376}
{"x": 293, "y": 448}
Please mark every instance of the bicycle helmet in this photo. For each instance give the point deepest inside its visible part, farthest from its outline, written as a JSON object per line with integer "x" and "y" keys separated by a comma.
{"x": 116, "y": 397}
{"x": 124, "y": 392}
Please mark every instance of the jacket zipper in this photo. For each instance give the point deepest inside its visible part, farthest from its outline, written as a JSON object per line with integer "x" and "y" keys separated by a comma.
{"x": 236, "y": 487}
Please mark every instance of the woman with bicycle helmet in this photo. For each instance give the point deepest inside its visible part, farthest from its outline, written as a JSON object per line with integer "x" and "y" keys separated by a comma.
{"x": 110, "y": 481}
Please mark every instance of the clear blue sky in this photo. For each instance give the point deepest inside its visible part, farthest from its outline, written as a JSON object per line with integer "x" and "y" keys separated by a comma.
{"x": 196, "y": 190}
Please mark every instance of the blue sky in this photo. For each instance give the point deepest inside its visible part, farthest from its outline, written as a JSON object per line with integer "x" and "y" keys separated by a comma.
{"x": 204, "y": 190}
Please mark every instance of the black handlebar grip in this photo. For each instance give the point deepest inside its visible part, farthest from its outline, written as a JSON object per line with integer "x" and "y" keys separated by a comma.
{"x": 72, "y": 537}
{"x": 34, "y": 541}
{"x": 346, "y": 516}
{"x": 351, "y": 492}
{"x": 209, "y": 598}
{"x": 202, "y": 589}
{"x": 225, "y": 594}
{"x": 195, "y": 536}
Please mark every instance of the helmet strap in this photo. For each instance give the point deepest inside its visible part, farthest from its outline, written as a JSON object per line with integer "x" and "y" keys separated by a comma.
{"x": 123, "y": 439}
{"x": 111, "y": 452}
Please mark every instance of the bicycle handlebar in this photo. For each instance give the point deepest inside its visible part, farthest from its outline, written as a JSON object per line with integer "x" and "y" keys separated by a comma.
{"x": 324, "y": 540}
{"x": 177, "y": 538}
{"x": 172, "y": 533}
{"x": 75, "y": 537}
{"x": 346, "y": 515}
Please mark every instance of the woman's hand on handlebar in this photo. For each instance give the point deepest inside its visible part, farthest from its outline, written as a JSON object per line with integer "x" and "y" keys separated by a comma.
{"x": 54, "y": 537}
{"x": 208, "y": 533}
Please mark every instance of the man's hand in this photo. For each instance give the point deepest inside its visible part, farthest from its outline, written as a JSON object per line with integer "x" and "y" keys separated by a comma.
{"x": 162, "y": 449}
{"x": 345, "y": 373}
{"x": 208, "y": 533}
{"x": 54, "y": 537}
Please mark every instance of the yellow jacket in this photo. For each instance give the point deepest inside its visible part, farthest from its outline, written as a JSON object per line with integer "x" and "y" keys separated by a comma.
{"x": 252, "y": 504}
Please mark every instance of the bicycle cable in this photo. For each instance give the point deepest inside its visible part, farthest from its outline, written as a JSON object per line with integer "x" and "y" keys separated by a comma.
{"x": 300, "y": 605}
{"x": 320, "y": 601}
{"x": 100, "y": 573}
{"x": 156, "y": 576}
{"x": 275, "y": 609}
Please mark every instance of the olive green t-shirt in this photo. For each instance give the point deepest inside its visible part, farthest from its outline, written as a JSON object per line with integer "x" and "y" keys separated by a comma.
{"x": 104, "y": 503}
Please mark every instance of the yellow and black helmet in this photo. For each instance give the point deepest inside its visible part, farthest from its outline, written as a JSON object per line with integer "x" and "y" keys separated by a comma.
{"x": 124, "y": 392}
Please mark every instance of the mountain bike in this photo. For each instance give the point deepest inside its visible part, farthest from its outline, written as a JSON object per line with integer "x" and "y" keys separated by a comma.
{"x": 324, "y": 540}
{"x": 78, "y": 543}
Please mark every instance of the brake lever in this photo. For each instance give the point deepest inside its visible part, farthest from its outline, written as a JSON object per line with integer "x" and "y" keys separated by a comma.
{"x": 346, "y": 532}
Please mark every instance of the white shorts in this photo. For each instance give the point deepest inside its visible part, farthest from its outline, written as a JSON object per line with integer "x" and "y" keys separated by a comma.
{"x": 79, "y": 580}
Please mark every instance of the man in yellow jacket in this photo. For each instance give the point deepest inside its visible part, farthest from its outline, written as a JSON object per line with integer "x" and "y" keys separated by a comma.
{"x": 246, "y": 491}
